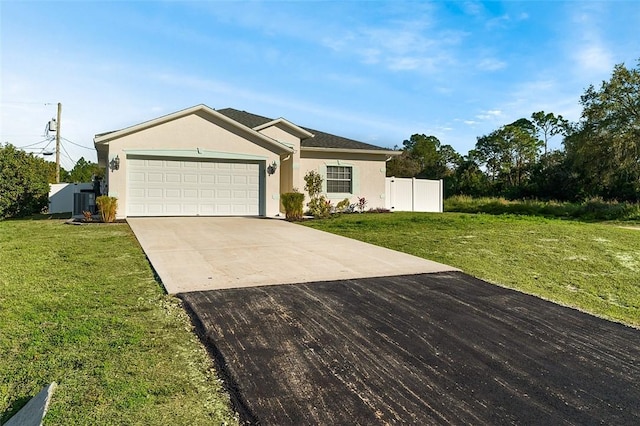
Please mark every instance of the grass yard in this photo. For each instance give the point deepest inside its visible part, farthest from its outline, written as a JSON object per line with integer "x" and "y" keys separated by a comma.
{"x": 79, "y": 305}
{"x": 589, "y": 266}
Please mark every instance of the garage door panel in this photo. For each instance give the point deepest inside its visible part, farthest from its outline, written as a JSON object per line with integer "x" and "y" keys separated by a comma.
{"x": 190, "y": 209}
{"x": 137, "y": 177}
{"x": 190, "y": 193}
{"x": 207, "y": 194}
{"x": 190, "y": 178}
{"x": 173, "y": 209}
{"x": 154, "y": 177}
{"x": 190, "y": 188}
{"x": 153, "y": 209}
{"x": 136, "y": 192}
{"x": 207, "y": 209}
{"x": 207, "y": 178}
{"x": 173, "y": 193}
{"x": 172, "y": 177}
{"x": 224, "y": 193}
{"x": 155, "y": 193}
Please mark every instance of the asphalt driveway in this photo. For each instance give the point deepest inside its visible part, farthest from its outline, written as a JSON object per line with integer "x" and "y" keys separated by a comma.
{"x": 440, "y": 348}
{"x": 211, "y": 253}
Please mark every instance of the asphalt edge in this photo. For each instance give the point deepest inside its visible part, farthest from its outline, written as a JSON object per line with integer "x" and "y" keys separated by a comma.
{"x": 247, "y": 417}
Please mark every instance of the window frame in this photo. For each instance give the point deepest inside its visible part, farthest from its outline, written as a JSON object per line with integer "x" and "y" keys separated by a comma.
{"x": 339, "y": 180}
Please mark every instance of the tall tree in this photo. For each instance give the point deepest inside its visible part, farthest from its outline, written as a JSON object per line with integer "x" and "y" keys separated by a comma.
{"x": 51, "y": 172}
{"x": 469, "y": 179}
{"x": 424, "y": 156}
{"x": 508, "y": 154}
{"x": 84, "y": 171}
{"x": 549, "y": 125}
{"x": 605, "y": 147}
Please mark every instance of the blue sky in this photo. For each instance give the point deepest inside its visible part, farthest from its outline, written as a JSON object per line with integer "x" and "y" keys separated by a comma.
{"x": 374, "y": 71}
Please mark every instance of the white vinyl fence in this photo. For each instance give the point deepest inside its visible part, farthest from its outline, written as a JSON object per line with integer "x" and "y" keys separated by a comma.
{"x": 61, "y": 198}
{"x": 413, "y": 195}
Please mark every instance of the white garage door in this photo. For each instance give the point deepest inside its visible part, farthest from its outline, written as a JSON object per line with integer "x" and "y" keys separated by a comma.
{"x": 159, "y": 187}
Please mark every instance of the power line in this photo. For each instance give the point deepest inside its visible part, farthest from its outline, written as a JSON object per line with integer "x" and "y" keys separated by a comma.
{"x": 29, "y": 146}
{"x": 26, "y": 103}
{"x": 67, "y": 154}
{"x": 45, "y": 147}
{"x": 81, "y": 146}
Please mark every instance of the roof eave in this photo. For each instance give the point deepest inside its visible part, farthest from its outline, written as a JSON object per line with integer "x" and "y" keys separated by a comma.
{"x": 351, "y": 150}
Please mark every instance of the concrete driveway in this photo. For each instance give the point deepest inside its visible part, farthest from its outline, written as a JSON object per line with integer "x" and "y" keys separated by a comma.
{"x": 211, "y": 253}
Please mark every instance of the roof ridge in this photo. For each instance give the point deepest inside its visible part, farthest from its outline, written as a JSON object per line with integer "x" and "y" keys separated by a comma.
{"x": 318, "y": 140}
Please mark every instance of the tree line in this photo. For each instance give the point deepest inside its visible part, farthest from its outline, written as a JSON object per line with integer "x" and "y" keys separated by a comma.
{"x": 600, "y": 154}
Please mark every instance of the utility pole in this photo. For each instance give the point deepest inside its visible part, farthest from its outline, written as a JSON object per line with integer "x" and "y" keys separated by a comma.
{"x": 58, "y": 143}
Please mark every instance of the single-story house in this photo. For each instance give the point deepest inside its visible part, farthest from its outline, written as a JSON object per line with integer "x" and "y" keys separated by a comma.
{"x": 206, "y": 162}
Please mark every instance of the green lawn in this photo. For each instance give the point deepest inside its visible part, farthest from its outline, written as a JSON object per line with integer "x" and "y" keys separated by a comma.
{"x": 79, "y": 305}
{"x": 592, "y": 267}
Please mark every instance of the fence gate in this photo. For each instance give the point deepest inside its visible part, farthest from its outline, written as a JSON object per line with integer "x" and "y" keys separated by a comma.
{"x": 413, "y": 195}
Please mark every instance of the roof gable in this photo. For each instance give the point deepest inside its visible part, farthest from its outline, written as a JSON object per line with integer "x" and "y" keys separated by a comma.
{"x": 202, "y": 110}
{"x": 288, "y": 126}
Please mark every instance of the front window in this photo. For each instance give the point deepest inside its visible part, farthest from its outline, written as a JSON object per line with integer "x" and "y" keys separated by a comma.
{"x": 339, "y": 179}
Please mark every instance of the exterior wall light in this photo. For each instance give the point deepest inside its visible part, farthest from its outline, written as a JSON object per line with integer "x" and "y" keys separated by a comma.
{"x": 271, "y": 169}
{"x": 114, "y": 164}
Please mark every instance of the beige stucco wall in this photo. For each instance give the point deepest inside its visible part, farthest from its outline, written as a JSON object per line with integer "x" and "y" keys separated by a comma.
{"x": 191, "y": 133}
{"x": 289, "y": 163}
{"x": 369, "y": 172}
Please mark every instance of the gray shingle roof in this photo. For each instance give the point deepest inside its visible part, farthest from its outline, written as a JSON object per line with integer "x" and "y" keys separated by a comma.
{"x": 320, "y": 139}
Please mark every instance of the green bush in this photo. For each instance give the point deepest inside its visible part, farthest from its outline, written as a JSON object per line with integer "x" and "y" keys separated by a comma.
{"x": 592, "y": 209}
{"x": 24, "y": 183}
{"x": 108, "y": 207}
{"x": 292, "y": 203}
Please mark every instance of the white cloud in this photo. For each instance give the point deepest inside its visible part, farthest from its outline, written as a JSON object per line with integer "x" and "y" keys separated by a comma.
{"x": 586, "y": 45}
{"x": 473, "y": 8}
{"x": 505, "y": 20}
{"x": 409, "y": 45}
{"x": 493, "y": 113}
{"x": 594, "y": 57}
{"x": 491, "y": 64}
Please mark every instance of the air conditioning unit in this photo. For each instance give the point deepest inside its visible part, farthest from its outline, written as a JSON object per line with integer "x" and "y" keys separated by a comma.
{"x": 83, "y": 202}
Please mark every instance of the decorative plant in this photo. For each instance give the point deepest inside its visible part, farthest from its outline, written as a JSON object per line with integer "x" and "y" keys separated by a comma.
{"x": 292, "y": 202}
{"x": 108, "y": 207}
{"x": 318, "y": 205}
{"x": 343, "y": 206}
{"x": 362, "y": 203}
{"x": 313, "y": 184}
{"x": 88, "y": 216}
